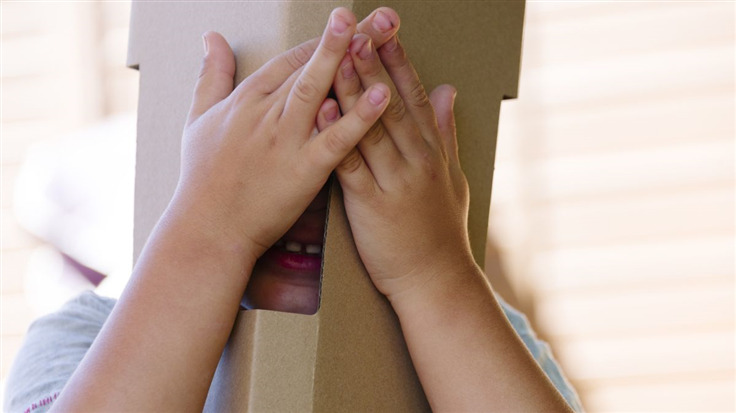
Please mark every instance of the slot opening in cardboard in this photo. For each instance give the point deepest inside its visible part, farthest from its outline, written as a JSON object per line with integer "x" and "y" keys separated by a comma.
{"x": 288, "y": 277}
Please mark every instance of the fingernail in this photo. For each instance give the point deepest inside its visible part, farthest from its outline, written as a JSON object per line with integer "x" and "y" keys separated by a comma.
{"x": 338, "y": 24}
{"x": 331, "y": 113}
{"x": 348, "y": 70}
{"x": 366, "y": 52}
{"x": 376, "y": 96}
{"x": 391, "y": 45}
{"x": 206, "y": 44}
{"x": 381, "y": 22}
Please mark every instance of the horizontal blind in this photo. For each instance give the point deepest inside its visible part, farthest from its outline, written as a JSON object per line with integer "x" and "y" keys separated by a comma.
{"x": 614, "y": 198}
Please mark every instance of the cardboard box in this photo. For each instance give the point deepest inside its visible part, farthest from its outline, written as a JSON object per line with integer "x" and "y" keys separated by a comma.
{"x": 350, "y": 356}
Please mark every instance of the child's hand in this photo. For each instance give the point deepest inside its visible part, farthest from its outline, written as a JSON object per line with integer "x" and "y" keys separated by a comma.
{"x": 250, "y": 161}
{"x": 405, "y": 194}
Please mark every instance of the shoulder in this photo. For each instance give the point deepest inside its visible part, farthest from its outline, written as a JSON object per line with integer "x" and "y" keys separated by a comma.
{"x": 53, "y": 347}
{"x": 542, "y": 354}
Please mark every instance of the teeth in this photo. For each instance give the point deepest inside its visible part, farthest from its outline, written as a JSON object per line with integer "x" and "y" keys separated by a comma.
{"x": 292, "y": 246}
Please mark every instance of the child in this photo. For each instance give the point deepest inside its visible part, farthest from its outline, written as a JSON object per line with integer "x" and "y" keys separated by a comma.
{"x": 249, "y": 209}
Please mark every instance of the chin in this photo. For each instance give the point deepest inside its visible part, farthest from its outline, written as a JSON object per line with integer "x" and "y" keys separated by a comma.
{"x": 274, "y": 292}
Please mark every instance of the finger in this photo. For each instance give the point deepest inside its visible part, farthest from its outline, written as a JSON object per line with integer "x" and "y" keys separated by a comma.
{"x": 292, "y": 61}
{"x": 355, "y": 176}
{"x": 353, "y": 172}
{"x": 312, "y": 85}
{"x": 325, "y": 151}
{"x": 215, "y": 81}
{"x": 443, "y": 101}
{"x": 328, "y": 114}
{"x": 274, "y": 73}
{"x": 380, "y": 25}
{"x": 347, "y": 84}
{"x": 377, "y": 146}
{"x": 408, "y": 86}
{"x": 397, "y": 121}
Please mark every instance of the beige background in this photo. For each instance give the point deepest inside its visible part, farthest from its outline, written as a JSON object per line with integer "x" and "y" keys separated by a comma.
{"x": 613, "y": 197}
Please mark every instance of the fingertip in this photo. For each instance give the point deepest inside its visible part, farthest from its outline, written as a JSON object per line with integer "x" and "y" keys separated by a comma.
{"x": 443, "y": 97}
{"x": 453, "y": 90}
{"x": 378, "y": 94}
{"x": 385, "y": 19}
{"x": 328, "y": 114}
{"x": 330, "y": 110}
{"x": 357, "y": 42}
{"x": 218, "y": 51}
{"x": 381, "y": 25}
{"x": 341, "y": 19}
{"x": 345, "y": 13}
{"x": 205, "y": 42}
{"x": 215, "y": 80}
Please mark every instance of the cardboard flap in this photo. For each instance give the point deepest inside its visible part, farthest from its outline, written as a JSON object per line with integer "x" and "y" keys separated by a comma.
{"x": 252, "y": 373}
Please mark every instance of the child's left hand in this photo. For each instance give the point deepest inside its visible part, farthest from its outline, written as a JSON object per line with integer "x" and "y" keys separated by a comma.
{"x": 405, "y": 195}
{"x": 250, "y": 165}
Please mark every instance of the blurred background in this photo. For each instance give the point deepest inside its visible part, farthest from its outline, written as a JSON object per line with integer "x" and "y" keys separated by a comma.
{"x": 613, "y": 206}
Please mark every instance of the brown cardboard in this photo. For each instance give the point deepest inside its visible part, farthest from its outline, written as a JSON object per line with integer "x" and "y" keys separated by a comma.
{"x": 350, "y": 356}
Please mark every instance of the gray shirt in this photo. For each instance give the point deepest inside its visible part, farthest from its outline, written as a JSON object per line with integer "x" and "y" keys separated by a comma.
{"x": 55, "y": 345}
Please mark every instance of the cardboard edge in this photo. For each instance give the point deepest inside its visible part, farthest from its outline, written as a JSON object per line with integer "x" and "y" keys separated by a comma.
{"x": 132, "y": 60}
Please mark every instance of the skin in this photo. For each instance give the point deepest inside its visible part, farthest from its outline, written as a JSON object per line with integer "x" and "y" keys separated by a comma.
{"x": 253, "y": 171}
{"x": 249, "y": 149}
{"x": 406, "y": 198}
{"x": 273, "y": 286}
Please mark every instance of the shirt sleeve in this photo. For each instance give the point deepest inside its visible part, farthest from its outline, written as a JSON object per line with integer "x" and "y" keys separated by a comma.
{"x": 53, "y": 348}
{"x": 55, "y": 345}
{"x": 542, "y": 354}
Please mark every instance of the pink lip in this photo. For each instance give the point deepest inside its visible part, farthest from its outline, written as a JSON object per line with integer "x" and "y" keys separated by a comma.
{"x": 293, "y": 261}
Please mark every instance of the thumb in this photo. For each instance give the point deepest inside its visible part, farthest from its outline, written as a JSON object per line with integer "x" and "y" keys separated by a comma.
{"x": 443, "y": 101}
{"x": 215, "y": 81}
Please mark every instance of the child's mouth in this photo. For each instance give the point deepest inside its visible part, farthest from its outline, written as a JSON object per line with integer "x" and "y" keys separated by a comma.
{"x": 287, "y": 276}
{"x": 296, "y": 258}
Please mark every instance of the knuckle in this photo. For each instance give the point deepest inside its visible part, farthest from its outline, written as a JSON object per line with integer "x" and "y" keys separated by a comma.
{"x": 430, "y": 167}
{"x": 396, "y": 110}
{"x": 418, "y": 96}
{"x": 351, "y": 163}
{"x": 336, "y": 142}
{"x": 375, "y": 134}
{"x": 244, "y": 95}
{"x": 395, "y": 56}
{"x": 299, "y": 56}
{"x": 331, "y": 49}
{"x": 373, "y": 70}
{"x": 354, "y": 88}
{"x": 365, "y": 113}
{"x": 300, "y": 170}
{"x": 304, "y": 88}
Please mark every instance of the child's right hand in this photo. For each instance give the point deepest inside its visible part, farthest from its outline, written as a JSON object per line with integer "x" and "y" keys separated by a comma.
{"x": 250, "y": 165}
{"x": 405, "y": 194}
{"x": 407, "y": 201}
